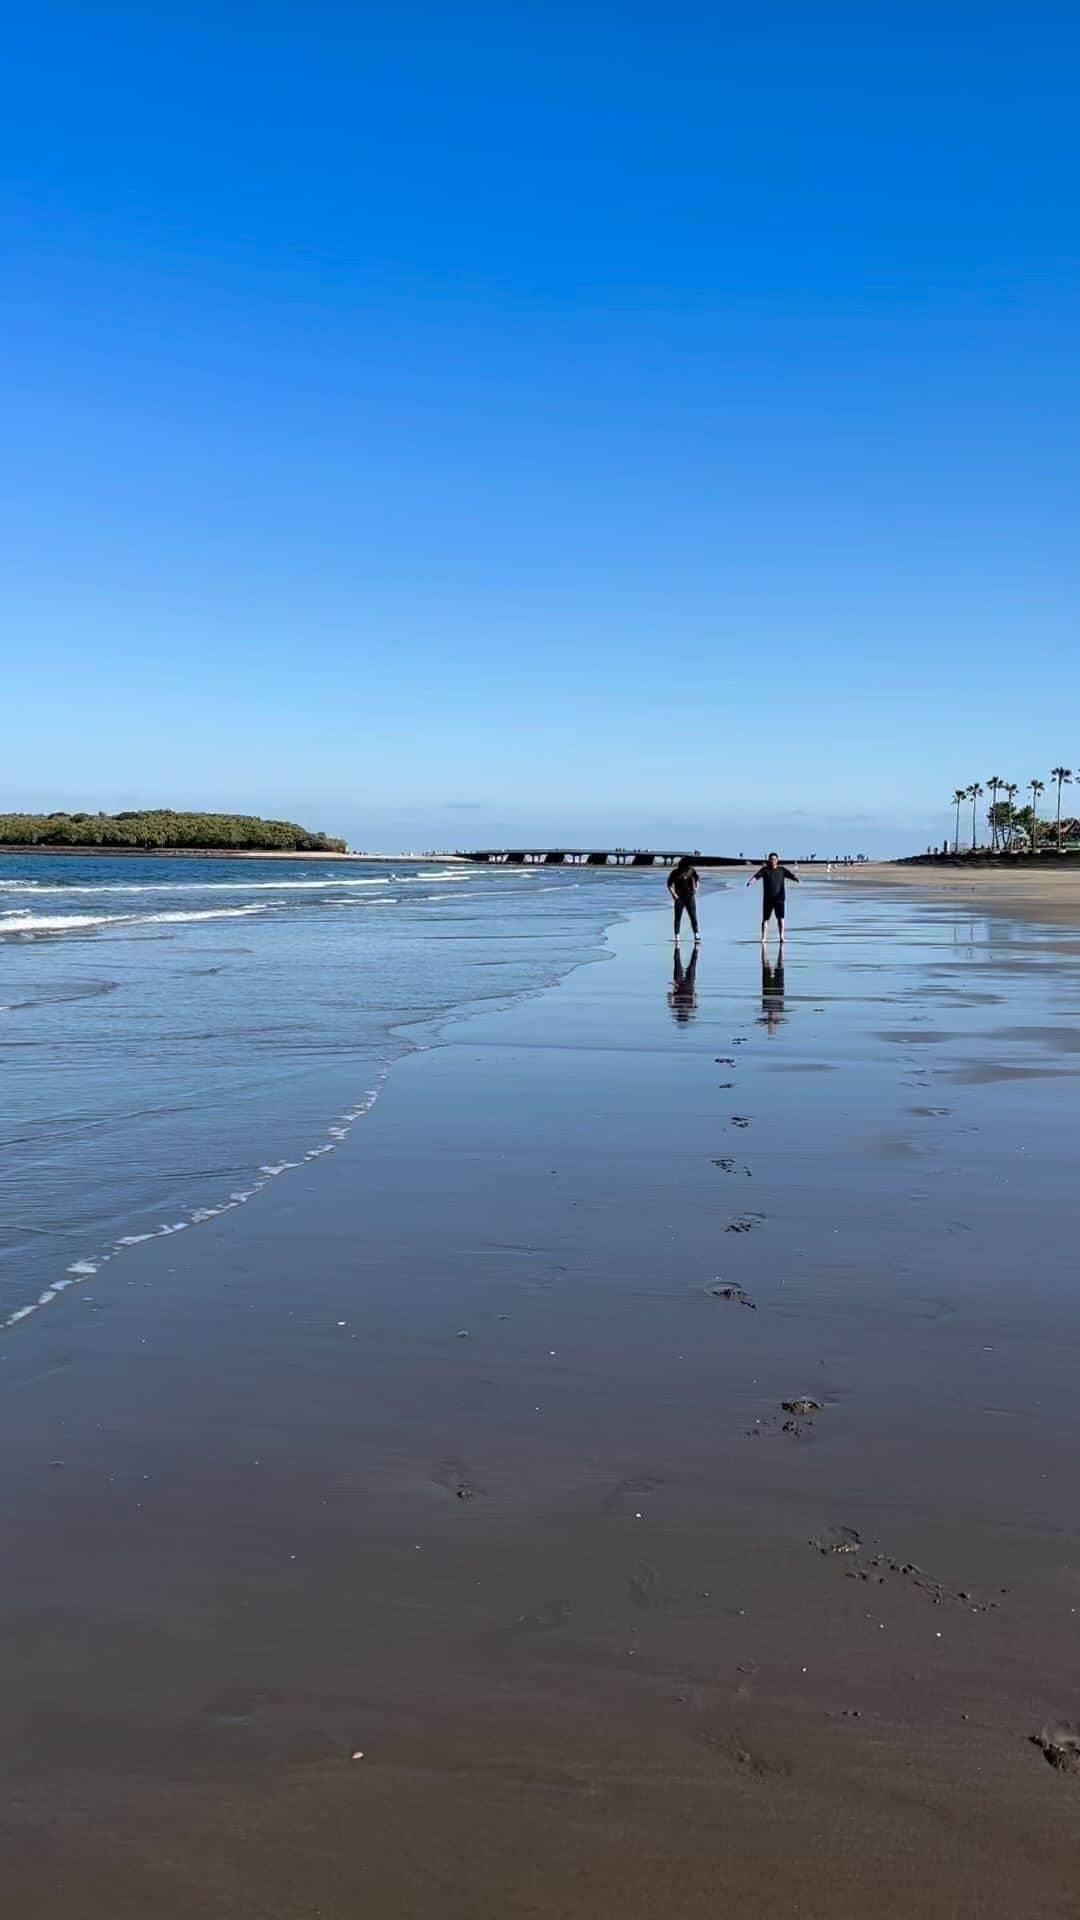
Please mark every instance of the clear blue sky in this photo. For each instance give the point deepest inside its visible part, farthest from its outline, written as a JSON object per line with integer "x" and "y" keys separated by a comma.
{"x": 449, "y": 422}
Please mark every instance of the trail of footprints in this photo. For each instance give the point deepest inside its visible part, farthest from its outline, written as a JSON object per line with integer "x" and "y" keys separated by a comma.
{"x": 871, "y": 1563}
{"x": 727, "y": 1163}
{"x": 862, "y": 1561}
{"x": 844, "y": 1546}
{"x": 794, "y": 1417}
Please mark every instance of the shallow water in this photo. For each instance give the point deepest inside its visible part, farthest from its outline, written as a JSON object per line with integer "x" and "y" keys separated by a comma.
{"x": 176, "y": 1032}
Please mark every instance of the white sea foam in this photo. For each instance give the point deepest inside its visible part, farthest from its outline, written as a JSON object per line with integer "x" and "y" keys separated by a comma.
{"x": 77, "y": 888}
{"x": 80, "y": 1270}
{"x": 25, "y": 921}
{"x": 207, "y": 913}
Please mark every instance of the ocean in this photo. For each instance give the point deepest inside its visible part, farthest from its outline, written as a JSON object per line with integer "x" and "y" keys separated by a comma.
{"x": 177, "y": 1032}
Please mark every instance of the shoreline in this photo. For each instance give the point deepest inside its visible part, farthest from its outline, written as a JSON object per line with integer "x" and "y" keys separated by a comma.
{"x": 262, "y": 1161}
{"x": 449, "y": 1456}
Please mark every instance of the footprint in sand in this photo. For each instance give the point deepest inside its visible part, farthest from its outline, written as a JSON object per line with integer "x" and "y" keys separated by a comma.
{"x": 799, "y": 1424}
{"x": 1060, "y": 1745}
{"x": 801, "y": 1412}
{"x": 861, "y": 1563}
{"x": 643, "y": 1584}
{"x": 744, "y": 1223}
{"x": 840, "y": 1540}
{"x": 632, "y": 1489}
{"x": 732, "y": 1745}
{"x": 545, "y": 1619}
{"x": 235, "y": 1705}
{"x": 452, "y": 1476}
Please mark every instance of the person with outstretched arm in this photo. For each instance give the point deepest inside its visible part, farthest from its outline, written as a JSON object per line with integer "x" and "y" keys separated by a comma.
{"x": 682, "y": 884}
{"x": 772, "y": 876}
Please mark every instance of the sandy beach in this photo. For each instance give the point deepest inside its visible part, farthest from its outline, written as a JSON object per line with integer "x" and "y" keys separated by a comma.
{"x": 431, "y": 1540}
{"x": 1051, "y": 893}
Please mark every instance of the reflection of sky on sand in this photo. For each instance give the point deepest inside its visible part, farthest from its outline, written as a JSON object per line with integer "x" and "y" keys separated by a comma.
{"x": 907, "y": 1246}
{"x": 160, "y": 1054}
{"x": 909, "y": 1077}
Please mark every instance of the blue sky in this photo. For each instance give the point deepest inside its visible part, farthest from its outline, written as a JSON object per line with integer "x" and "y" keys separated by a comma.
{"x": 450, "y": 423}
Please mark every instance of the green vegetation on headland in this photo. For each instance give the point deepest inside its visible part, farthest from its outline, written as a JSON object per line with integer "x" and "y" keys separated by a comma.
{"x": 160, "y": 828}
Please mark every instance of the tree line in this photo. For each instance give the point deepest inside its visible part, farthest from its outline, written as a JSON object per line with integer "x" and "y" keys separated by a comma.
{"x": 161, "y": 827}
{"x": 1013, "y": 827}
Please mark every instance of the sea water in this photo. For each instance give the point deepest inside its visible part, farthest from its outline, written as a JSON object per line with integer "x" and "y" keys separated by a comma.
{"x": 176, "y": 1032}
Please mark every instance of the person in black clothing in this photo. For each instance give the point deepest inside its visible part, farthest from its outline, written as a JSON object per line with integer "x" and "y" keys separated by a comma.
{"x": 682, "y": 884}
{"x": 772, "y": 876}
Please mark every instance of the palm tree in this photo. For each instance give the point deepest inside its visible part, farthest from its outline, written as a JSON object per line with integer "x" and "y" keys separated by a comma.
{"x": 959, "y": 796}
{"x": 974, "y": 794}
{"x": 1037, "y": 787}
{"x": 1063, "y": 775}
{"x": 1011, "y": 791}
{"x": 994, "y": 783}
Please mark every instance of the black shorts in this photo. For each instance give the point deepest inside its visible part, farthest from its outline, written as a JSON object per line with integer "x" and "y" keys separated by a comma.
{"x": 768, "y": 908}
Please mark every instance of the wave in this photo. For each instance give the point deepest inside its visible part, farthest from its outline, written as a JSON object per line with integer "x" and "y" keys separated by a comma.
{"x": 79, "y": 1270}
{"x": 28, "y": 922}
{"x": 76, "y": 889}
{"x": 39, "y": 887}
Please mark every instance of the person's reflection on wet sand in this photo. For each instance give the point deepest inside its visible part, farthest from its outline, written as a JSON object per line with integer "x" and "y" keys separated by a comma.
{"x": 682, "y": 994}
{"x": 772, "y": 993}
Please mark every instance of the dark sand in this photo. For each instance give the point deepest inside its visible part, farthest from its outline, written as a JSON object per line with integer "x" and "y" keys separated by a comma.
{"x": 615, "y": 1634}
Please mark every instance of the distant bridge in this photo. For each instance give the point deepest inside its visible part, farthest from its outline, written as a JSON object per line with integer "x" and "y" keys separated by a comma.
{"x": 592, "y": 857}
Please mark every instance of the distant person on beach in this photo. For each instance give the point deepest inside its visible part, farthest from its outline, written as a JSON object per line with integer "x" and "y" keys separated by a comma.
{"x": 682, "y": 884}
{"x": 772, "y": 876}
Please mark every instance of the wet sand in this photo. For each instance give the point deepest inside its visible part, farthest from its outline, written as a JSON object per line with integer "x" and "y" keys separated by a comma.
{"x": 466, "y": 1452}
